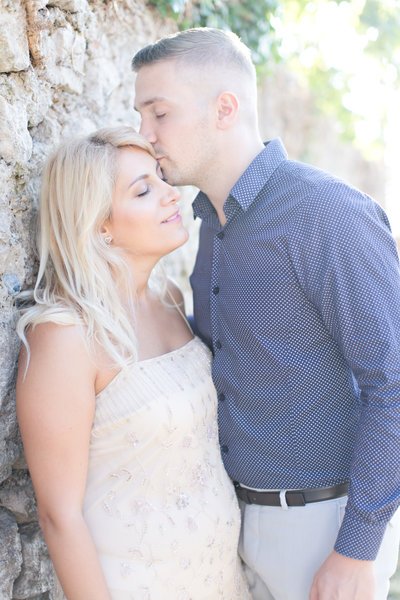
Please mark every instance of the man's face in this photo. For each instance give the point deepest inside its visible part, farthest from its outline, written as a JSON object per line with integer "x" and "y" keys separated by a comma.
{"x": 177, "y": 120}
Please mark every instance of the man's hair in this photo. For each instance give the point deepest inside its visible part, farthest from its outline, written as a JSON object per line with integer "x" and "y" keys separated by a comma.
{"x": 202, "y": 46}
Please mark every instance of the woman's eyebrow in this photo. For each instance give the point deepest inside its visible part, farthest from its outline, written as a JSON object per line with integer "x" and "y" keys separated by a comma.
{"x": 144, "y": 176}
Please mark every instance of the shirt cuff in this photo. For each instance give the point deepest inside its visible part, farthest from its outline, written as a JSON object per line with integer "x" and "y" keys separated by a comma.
{"x": 358, "y": 538}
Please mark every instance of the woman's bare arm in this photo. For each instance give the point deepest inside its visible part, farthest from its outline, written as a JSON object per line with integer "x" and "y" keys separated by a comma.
{"x": 55, "y": 407}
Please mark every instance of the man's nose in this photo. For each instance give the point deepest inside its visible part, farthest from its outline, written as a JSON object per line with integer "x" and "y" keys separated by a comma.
{"x": 147, "y": 132}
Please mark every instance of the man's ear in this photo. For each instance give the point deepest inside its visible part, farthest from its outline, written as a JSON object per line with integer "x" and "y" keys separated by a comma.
{"x": 227, "y": 109}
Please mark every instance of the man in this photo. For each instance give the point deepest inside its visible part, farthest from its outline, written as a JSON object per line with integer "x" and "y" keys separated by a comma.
{"x": 297, "y": 291}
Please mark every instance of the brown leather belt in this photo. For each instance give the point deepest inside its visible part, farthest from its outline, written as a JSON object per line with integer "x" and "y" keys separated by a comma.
{"x": 293, "y": 497}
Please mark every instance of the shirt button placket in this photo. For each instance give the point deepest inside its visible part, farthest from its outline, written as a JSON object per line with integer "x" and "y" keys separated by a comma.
{"x": 215, "y": 290}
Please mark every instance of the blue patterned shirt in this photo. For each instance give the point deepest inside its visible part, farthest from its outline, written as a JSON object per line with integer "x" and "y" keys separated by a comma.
{"x": 298, "y": 296}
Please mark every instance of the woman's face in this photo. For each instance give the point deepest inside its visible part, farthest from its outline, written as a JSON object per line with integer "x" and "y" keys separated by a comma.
{"x": 145, "y": 220}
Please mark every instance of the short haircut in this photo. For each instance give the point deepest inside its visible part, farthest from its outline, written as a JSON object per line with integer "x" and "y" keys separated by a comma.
{"x": 200, "y": 46}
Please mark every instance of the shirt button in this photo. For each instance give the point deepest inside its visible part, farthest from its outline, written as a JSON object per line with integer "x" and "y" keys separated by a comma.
{"x": 225, "y": 449}
{"x": 218, "y": 345}
{"x": 220, "y": 235}
{"x": 221, "y": 396}
{"x": 216, "y": 290}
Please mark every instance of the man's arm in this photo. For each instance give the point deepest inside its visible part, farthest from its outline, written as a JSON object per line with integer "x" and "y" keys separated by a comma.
{"x": 350, "y": 271}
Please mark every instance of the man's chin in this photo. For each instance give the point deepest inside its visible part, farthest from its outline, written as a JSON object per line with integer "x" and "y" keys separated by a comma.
{"x": 171, "y": 178}
{"x": 165, "y": 173}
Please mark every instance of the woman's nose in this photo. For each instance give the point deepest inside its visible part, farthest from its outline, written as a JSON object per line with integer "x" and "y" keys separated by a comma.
{"x": 172, "y": 194}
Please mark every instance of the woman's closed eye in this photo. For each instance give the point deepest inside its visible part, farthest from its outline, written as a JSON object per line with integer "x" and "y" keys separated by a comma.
{"x": 145, "y": 191}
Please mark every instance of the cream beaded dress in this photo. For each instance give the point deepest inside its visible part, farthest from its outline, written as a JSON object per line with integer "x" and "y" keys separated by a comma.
{"x": 159, "y": 505}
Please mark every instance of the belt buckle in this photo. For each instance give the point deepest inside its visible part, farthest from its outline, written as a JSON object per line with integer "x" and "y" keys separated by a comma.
{"x": 297, "y": 499}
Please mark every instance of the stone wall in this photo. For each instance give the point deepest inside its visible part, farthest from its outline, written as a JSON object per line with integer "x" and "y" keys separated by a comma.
{"x": 64, "y": 69}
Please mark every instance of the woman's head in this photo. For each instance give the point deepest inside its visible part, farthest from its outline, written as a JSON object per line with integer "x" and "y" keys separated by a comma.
{"x": 144, "y": 223}
{"x": 76, "y": 198}
{"x": 80, "y": 266}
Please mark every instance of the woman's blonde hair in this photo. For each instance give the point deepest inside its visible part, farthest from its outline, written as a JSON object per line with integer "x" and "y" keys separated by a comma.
{"x": 79, "y": 274}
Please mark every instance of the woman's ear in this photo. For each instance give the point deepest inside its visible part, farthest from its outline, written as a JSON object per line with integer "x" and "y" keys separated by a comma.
{"x": 227, "y": 109}
{"x": 105, "y": 231}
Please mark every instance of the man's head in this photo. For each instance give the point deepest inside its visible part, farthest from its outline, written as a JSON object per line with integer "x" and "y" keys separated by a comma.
{"x": 203, "y": 46}
{"x": 196, "y": 93}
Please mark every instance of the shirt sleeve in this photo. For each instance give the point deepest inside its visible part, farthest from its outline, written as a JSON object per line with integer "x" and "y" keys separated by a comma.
{"x": 347, "y": 264}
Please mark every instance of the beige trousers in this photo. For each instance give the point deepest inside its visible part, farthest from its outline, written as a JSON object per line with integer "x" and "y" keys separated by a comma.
{"x": 282, "y": 549}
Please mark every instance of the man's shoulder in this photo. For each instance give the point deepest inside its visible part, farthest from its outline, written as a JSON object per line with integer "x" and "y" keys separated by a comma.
{"x": 321, "y": 190}
{"x": 307, "y": 177}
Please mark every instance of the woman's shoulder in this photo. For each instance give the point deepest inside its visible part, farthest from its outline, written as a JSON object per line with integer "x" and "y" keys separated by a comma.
{"x": 54, "y": 334}
{"x": 54, "y": 346}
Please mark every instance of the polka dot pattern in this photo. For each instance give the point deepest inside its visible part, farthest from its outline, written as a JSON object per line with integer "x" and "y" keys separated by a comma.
{"x": 298, "y": 296}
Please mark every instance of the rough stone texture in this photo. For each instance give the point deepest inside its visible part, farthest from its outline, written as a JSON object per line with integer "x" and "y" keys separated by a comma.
{"x": 10, "y": 553}
{"x": 76, "y": 77}
{"x": 37, "y": 573}
{"x": 16, "y": 495}
{"x": 14, "y": 54}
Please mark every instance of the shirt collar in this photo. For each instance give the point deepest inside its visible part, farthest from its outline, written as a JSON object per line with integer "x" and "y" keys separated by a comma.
{"x": 250, "y": 183}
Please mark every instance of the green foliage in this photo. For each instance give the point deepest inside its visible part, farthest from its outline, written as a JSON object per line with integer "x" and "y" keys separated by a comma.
{"x": 376, "y": 26}
{"x": 249, "y": 19}
{"x": 170, "y": 8}
{"x": 329, "y": 86}
{"x": 383, "y": 18}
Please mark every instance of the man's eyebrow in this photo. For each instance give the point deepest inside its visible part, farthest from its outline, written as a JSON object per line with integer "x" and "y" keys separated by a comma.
{"x": 149, "y": 102}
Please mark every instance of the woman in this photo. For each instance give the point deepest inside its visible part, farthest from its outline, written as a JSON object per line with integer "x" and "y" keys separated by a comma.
{"x": 114, "y": 396}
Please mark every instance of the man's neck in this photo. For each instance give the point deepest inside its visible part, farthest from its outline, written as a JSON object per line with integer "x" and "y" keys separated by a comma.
{"x": 227, "y": 173}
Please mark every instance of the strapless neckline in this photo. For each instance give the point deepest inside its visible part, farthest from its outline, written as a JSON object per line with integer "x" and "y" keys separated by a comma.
{"x": 147, "y": 361}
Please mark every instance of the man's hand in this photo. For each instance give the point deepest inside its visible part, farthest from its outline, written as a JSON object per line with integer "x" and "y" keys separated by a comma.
{"x": 343, "y": 578}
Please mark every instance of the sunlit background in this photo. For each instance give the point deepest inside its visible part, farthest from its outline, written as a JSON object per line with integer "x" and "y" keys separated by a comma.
{"x": 349, "y": 54}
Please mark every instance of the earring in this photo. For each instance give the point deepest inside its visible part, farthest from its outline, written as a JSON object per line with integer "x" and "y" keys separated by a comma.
{"x": 108, "y": 239}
